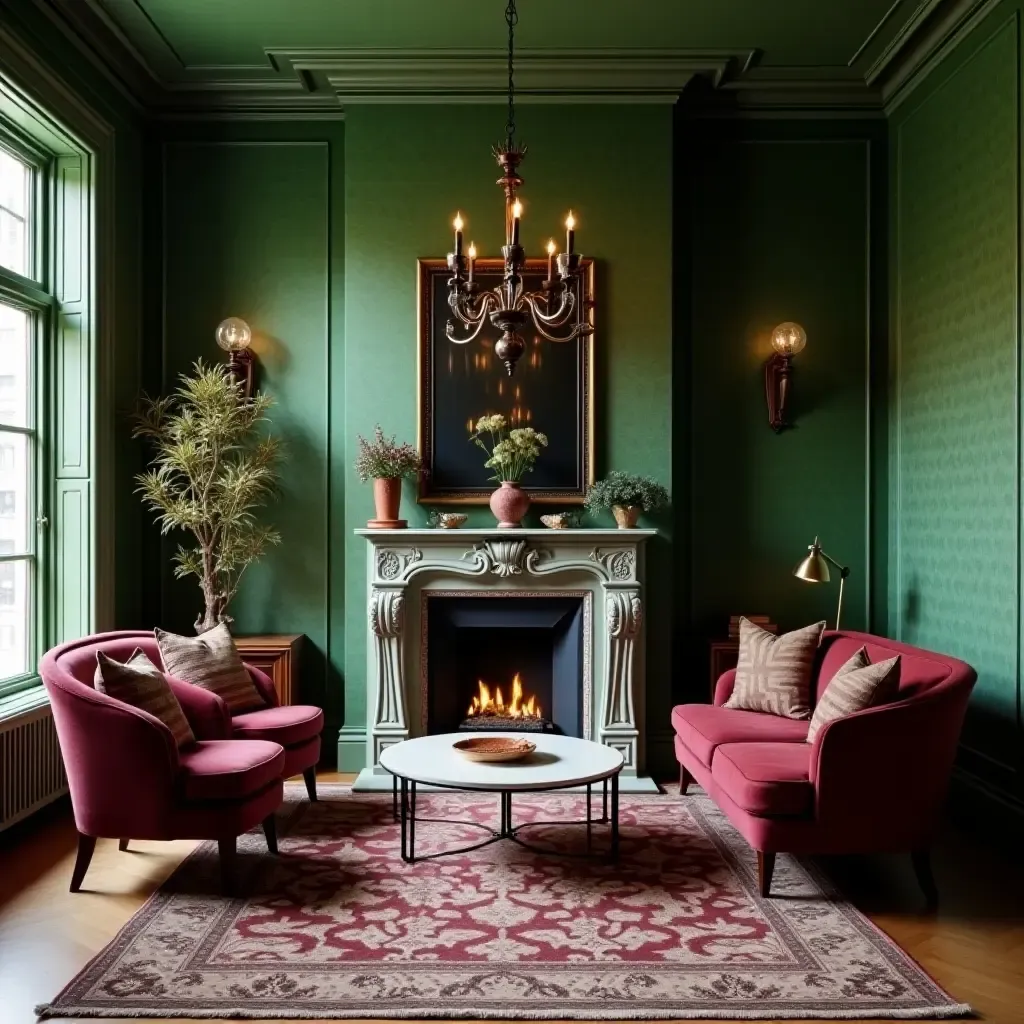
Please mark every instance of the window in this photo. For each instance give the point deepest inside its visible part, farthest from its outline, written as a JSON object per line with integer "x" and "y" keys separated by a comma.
{"x": 25, "y": 308}
{"x": 15, "y": 214}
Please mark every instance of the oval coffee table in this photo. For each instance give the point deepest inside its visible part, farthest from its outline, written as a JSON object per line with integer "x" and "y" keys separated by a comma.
{"x": 559, "y": 762}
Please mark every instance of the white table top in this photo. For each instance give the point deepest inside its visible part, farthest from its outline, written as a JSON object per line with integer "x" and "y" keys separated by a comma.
{"x": 558, "y": 762}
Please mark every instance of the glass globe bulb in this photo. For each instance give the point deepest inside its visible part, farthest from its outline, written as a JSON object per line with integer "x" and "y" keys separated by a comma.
{"x": 788, "y": 339}
{"x": 234, "y": 334}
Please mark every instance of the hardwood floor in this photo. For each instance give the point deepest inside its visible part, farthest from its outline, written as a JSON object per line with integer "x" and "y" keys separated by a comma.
{"x": 974, "y": 945}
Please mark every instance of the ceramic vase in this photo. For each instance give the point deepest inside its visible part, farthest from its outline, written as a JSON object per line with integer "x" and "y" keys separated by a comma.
{"x": 387, "y": 499}
{"x": 509, "y": 504}
{"x": 626, "y": 516}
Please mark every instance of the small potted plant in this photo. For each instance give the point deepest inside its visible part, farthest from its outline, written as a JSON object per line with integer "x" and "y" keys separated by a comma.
{"x": 386, "y": 462}
{"x": 627, "y": 496}
{"x": 511, "y": 454}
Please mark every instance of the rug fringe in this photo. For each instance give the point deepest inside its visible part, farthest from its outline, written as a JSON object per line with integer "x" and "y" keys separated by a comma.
{"x": 46, "y": 1011}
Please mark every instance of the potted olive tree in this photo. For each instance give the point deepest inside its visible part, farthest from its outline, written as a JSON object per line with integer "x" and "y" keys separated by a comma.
{"x": 386, "y": 462}
{"x": 211, "y": 471}
{"x": 627, "y": 495}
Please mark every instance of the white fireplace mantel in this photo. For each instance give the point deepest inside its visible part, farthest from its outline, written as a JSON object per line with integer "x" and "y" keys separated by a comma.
{"x": 605, "y": 567}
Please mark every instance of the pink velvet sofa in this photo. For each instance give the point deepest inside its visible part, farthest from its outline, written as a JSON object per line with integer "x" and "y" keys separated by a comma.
{"x": 129, "y": 781}
{"x": 873, "y": 781}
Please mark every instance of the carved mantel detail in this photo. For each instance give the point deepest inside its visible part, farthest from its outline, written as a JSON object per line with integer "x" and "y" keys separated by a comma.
{"x": 402, "y": 563}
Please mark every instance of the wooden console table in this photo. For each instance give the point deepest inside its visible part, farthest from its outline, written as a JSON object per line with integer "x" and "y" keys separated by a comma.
{"x": 278, "y": 656}
{"x": 723, "y": 656}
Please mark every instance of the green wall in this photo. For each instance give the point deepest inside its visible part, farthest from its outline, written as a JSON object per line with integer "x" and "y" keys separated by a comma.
{"x": 784, "y": 222}
{"x": 251, "y": 226}
{"x": 956, "y": 359}
{"x": 404, "y": 182}
{"x": 287, "y": 224}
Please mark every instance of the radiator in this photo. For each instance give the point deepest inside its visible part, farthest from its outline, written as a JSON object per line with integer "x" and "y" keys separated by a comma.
{"x": 31, "y": 768}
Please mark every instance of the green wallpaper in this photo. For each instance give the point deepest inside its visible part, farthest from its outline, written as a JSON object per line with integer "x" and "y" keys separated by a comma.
{"x": 256, "y": 220}
{"x": 956, "y": 423}
{"x": 407, "y": 171}
{"x": 250, "y": 228}
{"x": 781, "y": 229}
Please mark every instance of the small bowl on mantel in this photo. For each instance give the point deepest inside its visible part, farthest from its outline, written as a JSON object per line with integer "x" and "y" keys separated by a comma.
{"x": 492, "y": 749}
{"x": 558, "y": 520}
{"x": 451, "y": 520}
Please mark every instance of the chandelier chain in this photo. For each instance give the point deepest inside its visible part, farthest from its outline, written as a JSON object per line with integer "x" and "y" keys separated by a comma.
{"x": 511, "y": 18}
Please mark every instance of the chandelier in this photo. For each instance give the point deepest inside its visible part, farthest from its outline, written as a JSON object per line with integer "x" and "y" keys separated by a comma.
{"x": 556, "y": 311}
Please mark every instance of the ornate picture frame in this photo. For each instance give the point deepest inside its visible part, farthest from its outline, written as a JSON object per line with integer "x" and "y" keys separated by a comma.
{"x": 552, "y": 390}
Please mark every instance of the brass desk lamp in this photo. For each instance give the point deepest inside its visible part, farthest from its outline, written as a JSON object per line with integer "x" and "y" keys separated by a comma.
{"x": 814, "y": 569}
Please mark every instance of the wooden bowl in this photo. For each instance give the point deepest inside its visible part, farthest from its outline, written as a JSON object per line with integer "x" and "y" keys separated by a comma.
{"x": 494, "y": 748}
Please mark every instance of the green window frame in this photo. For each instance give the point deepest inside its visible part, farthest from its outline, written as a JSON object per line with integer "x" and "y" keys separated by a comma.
{"x": 55, "y": 295}
{"x": 29, "y": 294}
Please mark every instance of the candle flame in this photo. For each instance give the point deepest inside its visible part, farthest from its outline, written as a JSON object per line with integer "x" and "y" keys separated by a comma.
{"x": 517, "y": 209}
{"x": 570, "y": 221}
{"x": 551, "y": 247}
{"x": 458, "y": 221}
{"x": 472, "y": 250}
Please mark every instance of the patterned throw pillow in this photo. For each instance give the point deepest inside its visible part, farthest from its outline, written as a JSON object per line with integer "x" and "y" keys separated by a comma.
{"x": 211, "y": 661}
{"x": 857, "y": 685}
{"x": 140, "y": 683}
{"x": 774, "y": 672}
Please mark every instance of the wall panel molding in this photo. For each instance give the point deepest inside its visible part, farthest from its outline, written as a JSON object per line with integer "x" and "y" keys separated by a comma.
{"x": 984, "y": 71}
{"x": 841, "y": 155}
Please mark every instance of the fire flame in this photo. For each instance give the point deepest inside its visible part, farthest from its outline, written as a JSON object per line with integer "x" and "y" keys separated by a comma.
{"x": 484, "y": 704}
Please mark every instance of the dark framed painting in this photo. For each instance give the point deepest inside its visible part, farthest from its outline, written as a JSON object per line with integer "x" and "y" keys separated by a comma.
{"x": 552, "y": 391}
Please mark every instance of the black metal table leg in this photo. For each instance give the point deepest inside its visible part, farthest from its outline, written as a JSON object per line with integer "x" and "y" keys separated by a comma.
{"x": 412, "y": 821}
{"x": 403, "y": 807}
{"x": 615, "y": 817}
{"x": 589, "y": 830}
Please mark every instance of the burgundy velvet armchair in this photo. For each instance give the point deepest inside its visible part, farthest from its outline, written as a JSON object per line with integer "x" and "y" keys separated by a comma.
{"x": 128, "y": 780}
{"x": 874, "y": 781}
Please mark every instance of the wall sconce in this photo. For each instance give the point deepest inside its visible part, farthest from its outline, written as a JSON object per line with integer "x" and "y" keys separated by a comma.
{"x": 235, "y": 336}
{"x": 788, "y": 339}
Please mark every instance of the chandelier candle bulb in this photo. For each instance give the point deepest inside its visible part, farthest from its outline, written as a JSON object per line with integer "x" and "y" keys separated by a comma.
{"x": 570, "y": 233}
{"x": 458, "y": 234}
{"x": 472, "y": 259}
{"x": 551, "y": 260}
{"x": 517, "y": 213}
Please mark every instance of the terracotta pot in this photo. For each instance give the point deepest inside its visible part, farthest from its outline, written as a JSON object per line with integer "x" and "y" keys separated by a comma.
{"x": 509, "y": 504}
{"x": 626, "y": 515}
{"x": 387, "y": 498}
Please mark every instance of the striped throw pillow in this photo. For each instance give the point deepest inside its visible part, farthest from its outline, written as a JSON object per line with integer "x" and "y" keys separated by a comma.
{"x": 774, "y": 672}
{"x": 211, "y": 661}
{"x": 140, "y": 683}
{"x": 857, "y": 685}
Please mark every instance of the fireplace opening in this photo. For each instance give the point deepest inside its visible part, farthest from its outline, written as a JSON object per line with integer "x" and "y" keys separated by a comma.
{"x": 528, "y": 649}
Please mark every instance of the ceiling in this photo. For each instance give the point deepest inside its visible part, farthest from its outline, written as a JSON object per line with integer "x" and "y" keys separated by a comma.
{"x": 319, "y": 54}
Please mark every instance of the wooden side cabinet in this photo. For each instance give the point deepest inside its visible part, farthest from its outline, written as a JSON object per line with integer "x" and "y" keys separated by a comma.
{"x": 724, "y": 655}
{"x": 278, "y": 656}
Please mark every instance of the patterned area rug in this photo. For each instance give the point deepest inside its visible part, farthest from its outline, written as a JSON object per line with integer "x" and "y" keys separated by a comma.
{"x": 338, "y": 926}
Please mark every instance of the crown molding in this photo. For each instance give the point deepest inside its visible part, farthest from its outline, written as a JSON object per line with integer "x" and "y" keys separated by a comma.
{"x": 785, "y": 92}
{"x": 321, "y": 82}
{"x": 935, "y": 28}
